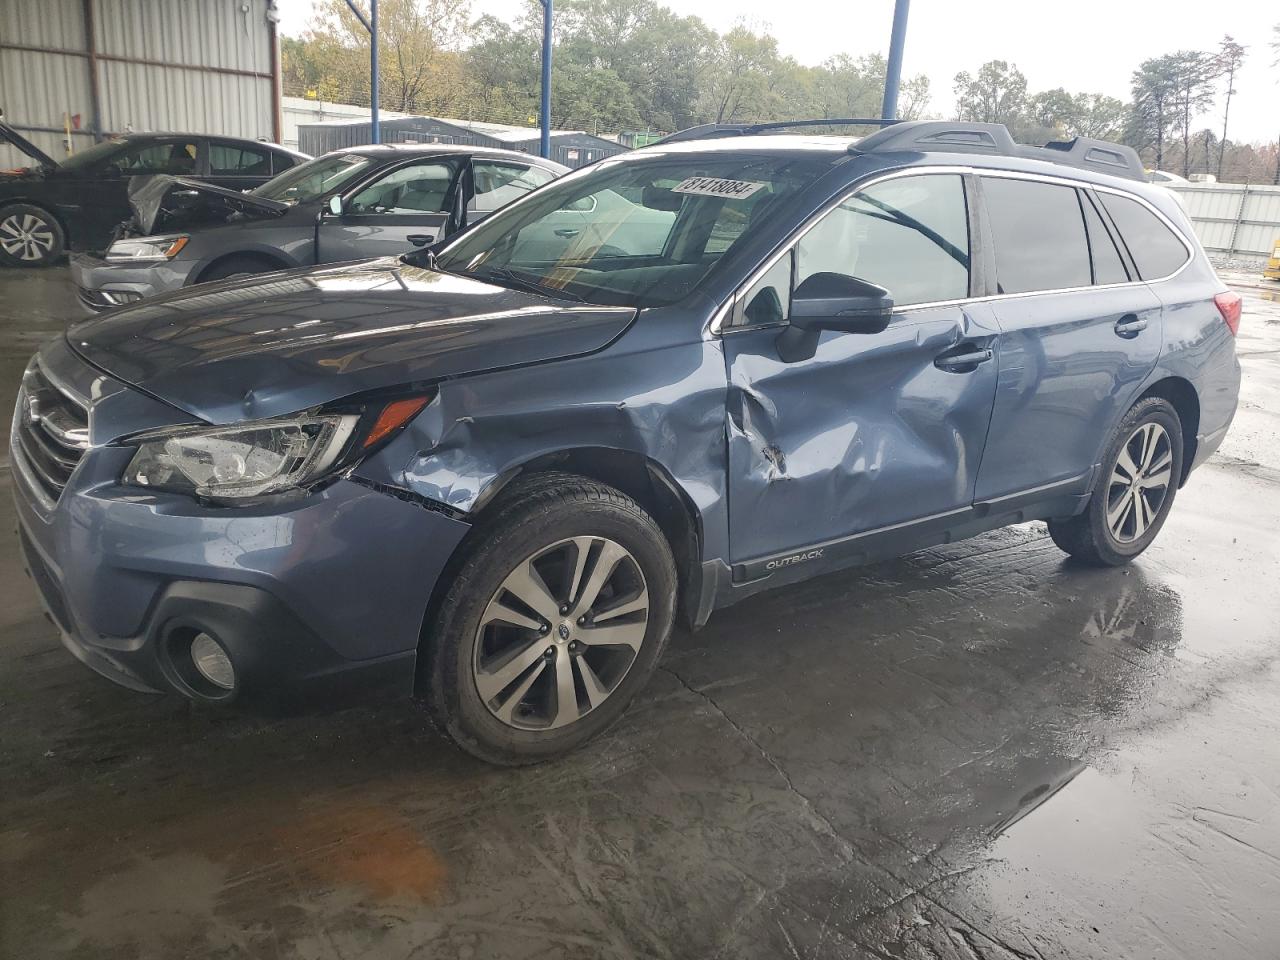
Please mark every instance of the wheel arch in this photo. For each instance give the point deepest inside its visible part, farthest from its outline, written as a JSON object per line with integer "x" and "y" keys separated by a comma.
{"x": 1182, "y": 395}
{"x": 638, "y": 476}
{"x": 274, "y": 259}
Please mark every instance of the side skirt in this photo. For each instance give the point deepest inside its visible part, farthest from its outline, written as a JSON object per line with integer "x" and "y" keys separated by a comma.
{"x": 1063, "y": 498}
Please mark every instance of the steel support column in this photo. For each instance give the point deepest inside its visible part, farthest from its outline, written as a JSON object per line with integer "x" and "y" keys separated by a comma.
{"x": 893, "y": 71}
{"x": 545, "y": 142}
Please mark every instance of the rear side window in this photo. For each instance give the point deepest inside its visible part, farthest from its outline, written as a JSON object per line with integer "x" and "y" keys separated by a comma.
{"x": 1039, "y": 236}
{"x": 280, "y": 162}
{"x": 1156, "y": 250}
{"x": 228, "y": 160}
{"x": 1108, "y": 267}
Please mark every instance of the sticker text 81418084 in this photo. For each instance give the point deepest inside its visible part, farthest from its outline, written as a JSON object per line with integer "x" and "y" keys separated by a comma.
{"x": 717, "y": 187}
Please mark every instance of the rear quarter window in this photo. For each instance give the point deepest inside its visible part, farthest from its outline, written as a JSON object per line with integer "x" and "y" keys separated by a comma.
{"x": 1156, "y": 250}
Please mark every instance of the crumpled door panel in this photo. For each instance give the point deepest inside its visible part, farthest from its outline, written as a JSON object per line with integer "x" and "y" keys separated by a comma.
{"x": 867, "y": 433}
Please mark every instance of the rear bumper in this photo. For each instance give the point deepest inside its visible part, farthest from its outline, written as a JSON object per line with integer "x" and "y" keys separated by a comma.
{"x": 101, "y": 285}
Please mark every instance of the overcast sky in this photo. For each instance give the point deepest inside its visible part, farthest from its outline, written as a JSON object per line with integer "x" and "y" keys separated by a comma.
{"x": 1091, "y": 46}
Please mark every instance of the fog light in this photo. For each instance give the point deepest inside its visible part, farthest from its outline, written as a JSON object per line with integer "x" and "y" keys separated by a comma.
{"x": 212, "y": 661}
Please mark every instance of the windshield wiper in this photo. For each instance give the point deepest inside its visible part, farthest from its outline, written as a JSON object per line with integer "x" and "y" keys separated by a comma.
{"x": 528, "y": 283}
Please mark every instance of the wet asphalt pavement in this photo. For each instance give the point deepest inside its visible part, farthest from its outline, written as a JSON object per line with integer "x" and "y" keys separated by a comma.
{"x": 977, "y": 751}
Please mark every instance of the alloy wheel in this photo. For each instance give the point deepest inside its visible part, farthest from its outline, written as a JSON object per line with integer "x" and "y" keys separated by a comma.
{"x": 1139, "y": 482}
{"x": 26, "y": 236}
{"x": 561, "y": 632}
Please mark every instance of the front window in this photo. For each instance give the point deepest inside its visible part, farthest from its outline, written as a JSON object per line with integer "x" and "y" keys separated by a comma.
{"x": 314, "y": 179}
{"x": 417, "y": 188}
{"x": 636, "y": 232}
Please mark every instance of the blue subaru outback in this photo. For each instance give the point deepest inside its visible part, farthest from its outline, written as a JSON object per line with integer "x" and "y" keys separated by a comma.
{"x": 495, "y": 473}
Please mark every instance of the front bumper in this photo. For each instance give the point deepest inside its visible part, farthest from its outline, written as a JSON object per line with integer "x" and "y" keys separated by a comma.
{"x": 319, "y": 601}
{"x": 101, "y": 285}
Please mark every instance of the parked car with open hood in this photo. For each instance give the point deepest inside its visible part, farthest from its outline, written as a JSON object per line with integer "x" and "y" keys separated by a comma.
{"x": 495, "y": 472}
{"x": 76, "y": 203}
{"x": 363, "y": 202}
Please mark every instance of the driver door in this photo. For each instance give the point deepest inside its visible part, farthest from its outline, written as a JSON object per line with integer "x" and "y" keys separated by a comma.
{"x": 399, "y": 211}
{"x": 874, "y": 434}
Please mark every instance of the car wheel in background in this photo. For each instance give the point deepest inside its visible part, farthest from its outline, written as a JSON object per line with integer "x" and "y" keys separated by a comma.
{"x": 555, "y": 619}
{"x": 29, "y": 236}
{"x": 1135, "y": 493}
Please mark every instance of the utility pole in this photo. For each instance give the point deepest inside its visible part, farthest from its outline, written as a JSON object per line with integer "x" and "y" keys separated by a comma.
{"x": 893, "y": 72}
{"x": 545, "y": 145}
{"x": 371, "y": 24}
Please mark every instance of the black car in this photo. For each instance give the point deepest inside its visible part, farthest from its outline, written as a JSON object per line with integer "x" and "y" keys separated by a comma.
{"x": 77, "y": 202}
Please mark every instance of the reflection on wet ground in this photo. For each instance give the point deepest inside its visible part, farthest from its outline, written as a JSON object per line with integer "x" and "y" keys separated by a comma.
{"x": 978, "y": 751}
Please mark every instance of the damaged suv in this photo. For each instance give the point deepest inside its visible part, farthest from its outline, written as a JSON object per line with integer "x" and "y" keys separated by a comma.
{"x": 495, "y": 473}
{"x": 358, "y": 203}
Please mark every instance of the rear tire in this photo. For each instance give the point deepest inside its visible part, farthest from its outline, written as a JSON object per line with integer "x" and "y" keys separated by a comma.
{"x": 239, "y": 265}
{"x": 1135, "y": 492}
{"x": 30, "y": 236}
{"x": 496, "y": 686}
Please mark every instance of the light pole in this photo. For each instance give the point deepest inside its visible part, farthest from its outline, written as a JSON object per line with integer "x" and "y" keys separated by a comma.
{"x": 893, "y": 71}
{"x": 371, "y": 24}
{"x": 545, "y": 142}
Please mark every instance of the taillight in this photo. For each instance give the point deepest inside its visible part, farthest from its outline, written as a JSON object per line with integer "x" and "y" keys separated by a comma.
{"x": 1229, "y": 305}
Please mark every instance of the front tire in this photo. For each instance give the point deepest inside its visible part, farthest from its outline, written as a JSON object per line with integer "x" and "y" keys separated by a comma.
{"x": 30, "y": 236}
{"x": 556, "y": 618}
{"x": 1133, "y": 498}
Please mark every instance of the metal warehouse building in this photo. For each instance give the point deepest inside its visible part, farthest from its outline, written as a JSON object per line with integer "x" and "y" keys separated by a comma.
{"x": 74, "y": 70}
{"x": 573, "y": 148}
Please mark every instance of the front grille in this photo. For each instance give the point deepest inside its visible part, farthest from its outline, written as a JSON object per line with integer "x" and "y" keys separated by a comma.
{"x": 52, "y": 431}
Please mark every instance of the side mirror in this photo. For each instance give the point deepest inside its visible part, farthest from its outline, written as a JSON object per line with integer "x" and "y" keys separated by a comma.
{"x": 832, "y": 301}
{"x": 335, "y": 205}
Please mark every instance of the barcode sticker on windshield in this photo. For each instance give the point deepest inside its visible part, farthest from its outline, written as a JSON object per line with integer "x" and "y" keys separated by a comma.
{"x": 716, "y": 187}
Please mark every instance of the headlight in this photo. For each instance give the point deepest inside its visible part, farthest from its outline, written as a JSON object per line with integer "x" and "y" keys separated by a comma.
{"x": 247, "y": 460}
{"x": 147, "y": 248}
{"x": 263, "y": 457}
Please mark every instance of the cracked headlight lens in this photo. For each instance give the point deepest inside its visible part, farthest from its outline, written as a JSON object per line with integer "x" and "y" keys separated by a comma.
{"x": 241, "y": 461}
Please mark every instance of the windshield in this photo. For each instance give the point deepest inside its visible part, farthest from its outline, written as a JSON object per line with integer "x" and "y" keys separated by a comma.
{"x": 313, "y": 179}
{"x": 92, "y": 155}
{"x": 639, "y": 232}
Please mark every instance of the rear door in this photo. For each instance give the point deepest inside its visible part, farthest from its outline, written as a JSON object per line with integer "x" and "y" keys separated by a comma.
{"x": 399, "y": 210}
{"x": 1079, "y": 333}
{"x": 236, "y": 165}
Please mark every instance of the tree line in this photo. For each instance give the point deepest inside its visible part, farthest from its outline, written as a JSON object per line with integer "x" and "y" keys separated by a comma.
{"x": 635, "y": 65}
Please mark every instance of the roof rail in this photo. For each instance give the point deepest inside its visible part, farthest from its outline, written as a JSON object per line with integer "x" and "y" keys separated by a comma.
{"x": 713, "y": 131}
{"x": 993, "y": 139}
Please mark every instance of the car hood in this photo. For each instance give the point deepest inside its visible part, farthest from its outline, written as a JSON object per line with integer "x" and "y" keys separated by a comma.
{"x": 162, "y": 203}
{"x": 277, "y": 343}
{"x": 12, "y": 136}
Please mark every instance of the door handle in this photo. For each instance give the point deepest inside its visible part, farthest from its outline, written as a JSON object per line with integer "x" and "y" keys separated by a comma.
{"x": 1130, "y": 325}
{"x": 420, "y": 239}
{"x": 567, "y": 232}
{"x": 965, "y": 361}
